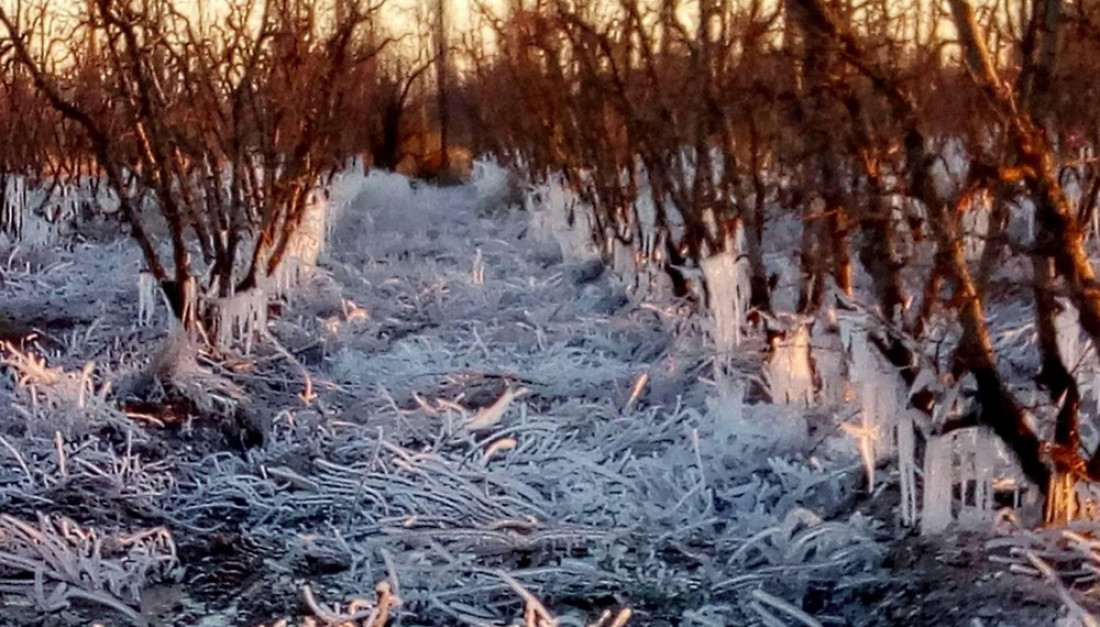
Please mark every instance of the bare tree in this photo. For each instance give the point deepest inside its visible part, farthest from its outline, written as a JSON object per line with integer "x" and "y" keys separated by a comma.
{"x": 227, "y": 129}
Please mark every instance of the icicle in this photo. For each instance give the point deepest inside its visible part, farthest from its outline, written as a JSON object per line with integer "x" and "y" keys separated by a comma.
{"x": 985, "y": 459}
{"x": 188, "y": 315}
{"x": 865, "y": 437}
{"x": 939, "y": 473}
{"x": 11, "y": 221}
{"x": 878, "y": 389}
{"x": 1068, "y": 335}
{"x": 887, "y": 405}
{"x": 869, "y": 415}
{"x": 788, "y": 369}
{"x": 147, "y": 298}
{"x": 907, "y": 468}
{"x": 828, "y": 353}
{"x": 975, "y": 475}
{"x": 240, "y": 318}
{"x": 568, "y": 219}
{"x": 1031, "y": 226}
{"x": 190, "y": 303}
{"x": 720, "y": 272}
{"x": 742, "y": 289}
{"x": 308, "y": 240}
{"x": 623, "y": 262}
{"x": 478, "y": 273}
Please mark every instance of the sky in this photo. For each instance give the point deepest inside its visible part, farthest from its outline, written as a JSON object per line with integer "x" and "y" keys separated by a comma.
{"x": 402, "y": 15}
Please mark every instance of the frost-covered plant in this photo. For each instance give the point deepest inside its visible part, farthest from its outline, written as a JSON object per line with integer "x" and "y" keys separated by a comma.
{"x": 754, "y": 432}
{"x": 52, "y": 387}
{"x": 559, "y": 215}
{"x": 56, "y": 561}
{"x": 803, "y": 537}
{"x": 240, "y": 188}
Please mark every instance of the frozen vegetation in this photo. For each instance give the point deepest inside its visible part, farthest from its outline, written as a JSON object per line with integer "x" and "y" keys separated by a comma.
{"x": 459, "y": 416}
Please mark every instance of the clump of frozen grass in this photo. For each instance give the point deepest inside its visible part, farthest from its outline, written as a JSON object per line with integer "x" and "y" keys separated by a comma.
{"x": 1064, "y": 556}
{"x": 57, "y": 561}
{"x": 753, "y": 432}
{"x": 393, "y": 217}
{"x": 803, "y": 538}
{"x": 612, "y": 494}
{"x": 764, "y": 605}
{"x": 52, "y": 388}
{"x": 557, "y": 214}
{"x": 494, "y": 188}
{"x": 357, "y": 613}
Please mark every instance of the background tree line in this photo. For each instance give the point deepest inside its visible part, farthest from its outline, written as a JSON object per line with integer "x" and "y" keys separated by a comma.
{"x": 733, "y": 116}
{"x": 225, "y": 123}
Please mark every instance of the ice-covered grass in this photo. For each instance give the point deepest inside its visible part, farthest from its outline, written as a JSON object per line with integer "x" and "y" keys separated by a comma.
{"x": 590, "y": 497}
{"x": 522, "y": 424}
{"x": 454, "y": 405}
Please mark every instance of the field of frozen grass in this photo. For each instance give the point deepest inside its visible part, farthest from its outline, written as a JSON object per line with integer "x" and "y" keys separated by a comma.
{"x": 456, "y": 419}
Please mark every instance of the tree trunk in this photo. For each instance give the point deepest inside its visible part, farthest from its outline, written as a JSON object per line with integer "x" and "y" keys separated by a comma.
{"x": 811, "y": 289}
{"x": 995, "y": 237}
{"x": 1054, "y": 375}
{"x": 999, "y": 409}
{"x": 878, "y": 254}
{"x": 760, "y": 297}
